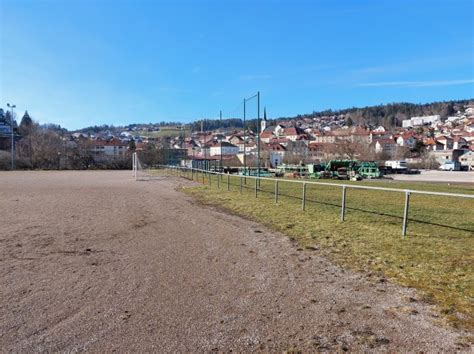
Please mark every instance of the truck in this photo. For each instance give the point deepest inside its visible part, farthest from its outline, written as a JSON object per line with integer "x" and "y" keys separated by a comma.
{"x": 396, "y": 165}
{"x": 450, "y": 166}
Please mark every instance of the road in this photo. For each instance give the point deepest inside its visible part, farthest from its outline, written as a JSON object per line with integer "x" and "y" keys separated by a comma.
{"x": 438, "y": 176}
{"x": 96, "y": 261}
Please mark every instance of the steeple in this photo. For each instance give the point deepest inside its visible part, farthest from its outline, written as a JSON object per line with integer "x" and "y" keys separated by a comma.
{"x": 264, "y": 120}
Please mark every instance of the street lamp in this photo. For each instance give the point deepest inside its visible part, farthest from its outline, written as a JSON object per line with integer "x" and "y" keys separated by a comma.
{"x": 13, "y": 139}
{"x": 257, "y": 95}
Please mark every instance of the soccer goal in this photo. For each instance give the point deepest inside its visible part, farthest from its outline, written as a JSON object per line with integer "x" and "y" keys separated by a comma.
{"x": 144, "y": 172}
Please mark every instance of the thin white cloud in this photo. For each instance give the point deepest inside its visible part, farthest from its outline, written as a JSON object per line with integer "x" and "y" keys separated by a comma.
{"x": 410, "y": 65}
{"x": 417, "y": 83}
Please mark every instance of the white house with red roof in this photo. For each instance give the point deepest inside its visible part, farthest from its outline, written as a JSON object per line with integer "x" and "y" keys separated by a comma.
{"x": 112, "y": 147}
{"x": 407, "y": 139}
{"x": 223, "y": 148}
{"x": 443, "y": 143}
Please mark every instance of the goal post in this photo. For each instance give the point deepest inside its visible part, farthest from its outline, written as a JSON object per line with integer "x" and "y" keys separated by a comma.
{"x": 144, "y": 172}
{"x": 134, "y": 165}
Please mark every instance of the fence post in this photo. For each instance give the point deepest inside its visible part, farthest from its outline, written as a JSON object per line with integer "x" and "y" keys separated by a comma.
{"x": 256, "y": 187}
{"x": 240, "y": 184}
{"x": 203, "y": 178}
{"x": 343, "y": 204}
{"x": 303, "y": 201}
{"x": 218, "y": 181}
{"x": 276, "y": 191}
{"x": 210, "y": 177}
{"x": 228, "y": 184}
{"x": 405, "y": 213}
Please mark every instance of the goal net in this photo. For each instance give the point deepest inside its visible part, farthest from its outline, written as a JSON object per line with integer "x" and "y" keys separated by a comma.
{"x": 144, "y": 172}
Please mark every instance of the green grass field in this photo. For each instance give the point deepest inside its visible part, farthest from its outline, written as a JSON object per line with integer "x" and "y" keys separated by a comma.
{"x": 436, "y": 257}
{"x": 165, "y": 132}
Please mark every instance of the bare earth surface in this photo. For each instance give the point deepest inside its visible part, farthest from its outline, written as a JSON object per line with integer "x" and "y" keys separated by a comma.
{"x": 96, "y": 261}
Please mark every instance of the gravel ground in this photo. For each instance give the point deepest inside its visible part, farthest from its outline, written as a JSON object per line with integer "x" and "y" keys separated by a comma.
{"x": 96, "y": 261}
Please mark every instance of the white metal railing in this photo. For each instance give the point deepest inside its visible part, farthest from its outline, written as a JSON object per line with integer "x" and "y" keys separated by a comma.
{"x": 343, "y": 187}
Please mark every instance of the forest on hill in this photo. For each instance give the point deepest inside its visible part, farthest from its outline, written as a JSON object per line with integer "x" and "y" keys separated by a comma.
{"x": 388, "y": 115}
{"x": 392, "y": 114}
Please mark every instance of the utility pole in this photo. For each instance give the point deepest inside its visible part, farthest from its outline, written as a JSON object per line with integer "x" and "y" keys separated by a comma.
{"x": 12, "y": 135}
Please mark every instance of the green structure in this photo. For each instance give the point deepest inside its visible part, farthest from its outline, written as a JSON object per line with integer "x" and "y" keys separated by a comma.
{"x": 369, "y": 170}
{"x": 344, "y": 169}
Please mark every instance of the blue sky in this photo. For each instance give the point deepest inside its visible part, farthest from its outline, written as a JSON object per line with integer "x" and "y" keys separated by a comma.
{"x": 85, "y": 62}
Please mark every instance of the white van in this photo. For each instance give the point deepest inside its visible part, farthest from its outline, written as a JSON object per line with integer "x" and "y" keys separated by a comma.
{"x": 450, "y": 166}
{"x": 396, "y": 164}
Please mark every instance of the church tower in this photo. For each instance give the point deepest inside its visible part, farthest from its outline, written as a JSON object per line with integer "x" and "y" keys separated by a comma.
{"x": 264, "y": 120}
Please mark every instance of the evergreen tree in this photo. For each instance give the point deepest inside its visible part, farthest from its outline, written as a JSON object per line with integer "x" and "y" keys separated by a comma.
{"x": 131, "y": 145}
{"x": 26, "y": 124}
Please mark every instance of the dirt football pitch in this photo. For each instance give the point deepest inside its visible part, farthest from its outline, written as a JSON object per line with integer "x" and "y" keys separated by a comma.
{"x": 92, "y": 260}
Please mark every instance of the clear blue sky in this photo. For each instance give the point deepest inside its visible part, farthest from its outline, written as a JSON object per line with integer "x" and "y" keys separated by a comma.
{"x": 85, "y": 62}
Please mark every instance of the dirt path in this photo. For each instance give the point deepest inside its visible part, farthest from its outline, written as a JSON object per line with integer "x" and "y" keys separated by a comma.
{"x": 96, "y": 261}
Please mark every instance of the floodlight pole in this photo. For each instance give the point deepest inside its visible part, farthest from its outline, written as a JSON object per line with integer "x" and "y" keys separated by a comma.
{"x": 258, "y": 134}
{"x": 220, "y": 115}
{"x": 12, "y": 135}
{"x": 245, "y": 138}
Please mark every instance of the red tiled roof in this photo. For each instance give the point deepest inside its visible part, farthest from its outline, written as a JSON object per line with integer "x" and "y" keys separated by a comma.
{"x": 266, "y": 135}
{"x": 290, "y": 131}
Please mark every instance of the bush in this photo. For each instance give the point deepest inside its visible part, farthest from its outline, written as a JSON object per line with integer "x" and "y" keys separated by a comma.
{"x": 5, "y": 160}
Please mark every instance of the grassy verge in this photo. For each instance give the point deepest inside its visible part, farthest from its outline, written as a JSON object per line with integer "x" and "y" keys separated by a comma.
{"x": 165, "y": 132}
{"x": 436, "y": 257}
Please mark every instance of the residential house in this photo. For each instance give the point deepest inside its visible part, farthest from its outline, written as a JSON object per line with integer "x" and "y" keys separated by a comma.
{"x": 276, "y": 153}
{"x": 113, "y": 147}
{"x": 442, "y": 156}
{"x": 443, "y": 143}
{"x": 420, "y": 121}
{"x": 267, "y": 134}
{"x": 236, "y": 140}
{"x": 407, "y": 139}
{"x": 223, "y": 148}
{"x": 325, "y": 138}
{"x": 379, "y": 134}
{"x": 386, "y": 146}
{"x": 460, "y": 143}
{"x": 467, "y": 160}
{"x": 291, "y": 133}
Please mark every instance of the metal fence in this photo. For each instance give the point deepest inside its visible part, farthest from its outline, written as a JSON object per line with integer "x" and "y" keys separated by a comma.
{"x": 192, "y": 173}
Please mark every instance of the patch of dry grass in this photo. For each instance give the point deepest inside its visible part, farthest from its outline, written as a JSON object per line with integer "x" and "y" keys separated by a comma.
{"x": 436, "y": 257}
